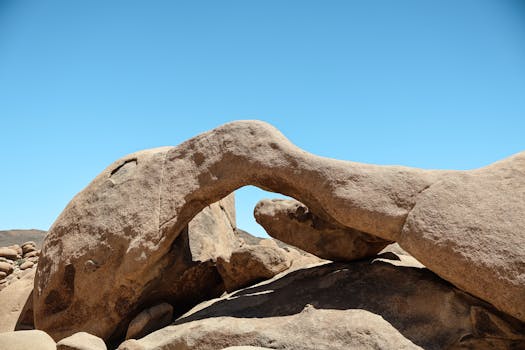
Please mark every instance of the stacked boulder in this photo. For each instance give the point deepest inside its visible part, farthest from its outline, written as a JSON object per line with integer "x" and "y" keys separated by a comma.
{"x": 16, "y": 259}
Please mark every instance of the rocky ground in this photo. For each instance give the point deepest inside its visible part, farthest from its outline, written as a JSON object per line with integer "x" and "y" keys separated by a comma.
{"x": 148, "y": 256}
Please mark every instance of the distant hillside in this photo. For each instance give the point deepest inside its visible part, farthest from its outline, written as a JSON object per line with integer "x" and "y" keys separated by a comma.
{"x": 10, "y": 237}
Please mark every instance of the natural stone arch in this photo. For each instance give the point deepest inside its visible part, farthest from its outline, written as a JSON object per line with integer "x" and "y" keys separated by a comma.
{"x": 136, "y": 208}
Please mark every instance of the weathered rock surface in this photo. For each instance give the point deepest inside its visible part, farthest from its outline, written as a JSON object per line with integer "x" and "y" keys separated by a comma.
{"x": 16, "y": 304}
{"x": 298, "y": 257}
{"x": 149, "y": 320}
{"x": 365, "y": 304}
{"x": 114, "y": 245}
{"x": 250, "y": 264}
{"x": 14, "y": 259}
{"x": 81, "y": 341}
{"x": 26, "y": 265}
{"x": 292, "y": 222}
{"x": 310, "y": 329}
{"x": 188, "y": 276}
{"x": 24, "y": 340}
{"x": 28, "y": 246}
{"x": 8, "y": 253}
{"x": 6, "y": 267}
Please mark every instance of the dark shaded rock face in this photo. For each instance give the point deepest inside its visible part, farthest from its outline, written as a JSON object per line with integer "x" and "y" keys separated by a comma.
{"x": 332, "y": 305}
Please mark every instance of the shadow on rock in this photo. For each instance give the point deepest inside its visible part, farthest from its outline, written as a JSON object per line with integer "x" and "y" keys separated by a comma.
{"x": 425, "y": 309}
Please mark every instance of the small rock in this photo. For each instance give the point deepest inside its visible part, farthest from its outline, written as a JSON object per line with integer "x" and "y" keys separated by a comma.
{"x": 31, "y": 254}
{"x": 81, "y": 341}
{"x": 26, "y": 265}
{"x": 150, "y": 320}
{"x": 29, "y": 244}
{"x": 33, "y": 259}
{"x": 28, "y": 248}
{"x": 6, "y": 267}
{"x": 2, "y": 274}
{"x": 24, "y": 340}
{"x": 8, "y": 253}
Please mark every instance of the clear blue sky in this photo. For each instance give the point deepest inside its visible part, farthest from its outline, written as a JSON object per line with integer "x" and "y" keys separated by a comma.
{"x": 433, "y": 84}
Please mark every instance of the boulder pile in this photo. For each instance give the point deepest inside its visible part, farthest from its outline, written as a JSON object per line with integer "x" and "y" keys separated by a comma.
{"x": 15, "y": 259}
{"x": 149, "y": 251}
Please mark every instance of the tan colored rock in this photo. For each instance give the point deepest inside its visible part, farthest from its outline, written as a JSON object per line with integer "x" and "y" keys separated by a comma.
{"x": 333, "y": 329}
{"x": 28, "y": 246}
{"x": 212, "y": 231}
{"x": 114, "y": 241}
{"x": 6, "y": 267}
{"x": 25, "y": 340}
{"x": 8, "y": 253}
{"x": 16, "y": 301}
{"x": 469, "y": 229}
{"x": 188, "y": 273}
{"x": 298, "y": 258}
{"x": 16, "y": 248}
{"x": 292, "y": 222}
{"x": 149, "y": 320}
{"x": 3, "y": 274}
{"x": 26, "y": 265}
{"x": 250, "y": 264}
{"x": 363, "y": 304}
{"x": 31, "y": 254}
{"x": 28, "y": 249}
{"x": 81, "y": 341}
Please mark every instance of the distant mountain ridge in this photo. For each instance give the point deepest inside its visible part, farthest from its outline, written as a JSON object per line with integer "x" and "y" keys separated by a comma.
{"x": 10, "y": 237}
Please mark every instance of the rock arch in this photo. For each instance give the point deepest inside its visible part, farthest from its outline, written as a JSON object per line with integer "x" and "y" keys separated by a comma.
{"x": 113, "y": 240}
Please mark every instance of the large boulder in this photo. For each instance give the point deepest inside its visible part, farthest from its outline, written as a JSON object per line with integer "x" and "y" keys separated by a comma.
{"x": 115, "y": 245}
{"x": 368, "y": 304}
{"x": 188, "y": 277}
{"x": 292, "y": 222}
{"x": 310, "y": 329}
{"x": 194, "y": 271}
{"x": 24, "y": 340}
{"x": 16, "y": 303}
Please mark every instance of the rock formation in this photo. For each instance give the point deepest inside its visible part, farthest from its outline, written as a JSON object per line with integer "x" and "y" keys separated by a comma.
{"x": 367, "y": 304}
{"x": 16, "y": 303}
{"x": 117, "y": 243}
{"x": 190, "y": 274}
{"x": 292, "y": 222}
